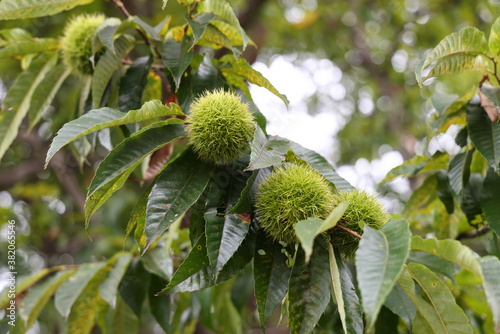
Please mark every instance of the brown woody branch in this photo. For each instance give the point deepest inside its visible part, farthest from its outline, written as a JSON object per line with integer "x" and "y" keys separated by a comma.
{"x": 475, "y": 233}
{"x": 351, "y": 232}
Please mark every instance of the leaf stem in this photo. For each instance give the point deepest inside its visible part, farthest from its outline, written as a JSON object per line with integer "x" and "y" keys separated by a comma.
{"x": 474, "y": 233}
{"x": 495, "y": 70}
{"x": 193, "y": 8}
{"x": 351, "y": 232}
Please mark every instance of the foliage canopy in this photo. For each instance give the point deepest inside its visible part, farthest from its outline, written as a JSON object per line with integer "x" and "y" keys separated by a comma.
{"x": 200, "y": 249}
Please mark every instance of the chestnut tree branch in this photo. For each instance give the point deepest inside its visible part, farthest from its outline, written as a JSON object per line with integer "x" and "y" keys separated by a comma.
{"x": 351, "y": 232}
{"x": 474, "y": 233}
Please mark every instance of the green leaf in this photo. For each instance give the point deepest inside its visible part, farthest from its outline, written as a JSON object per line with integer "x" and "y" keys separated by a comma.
{"x": 88, "y": 305}
{"x": 24, "y": 47}
{"x": 232, "y": 34}
{"x": 425, "y": 311}
{"x": 133, "y": 149}
{"x": 199, "y": 25}
{"x": 245, "y": 202}
{"x": 460, "y": 63}
{"x": 109, "y": 288}
{"x": 447, "y": 316}
{"x": 241, "y": 257}
{"x": 321, "y": 165}
{"x": 14, "y": 35}
{"x": 490, "y": 266}
{"x": 494, "y": 39}
{"x": 409, "y": 168}
{"x": 307, "y": 230}
{"x": 459, "y": 171}
{"x": 114, "y": 170}
{"x": 471, "y": 201}
{"x": 105, "y": 34}
{"x": 225, "y": 316}
{"x": 399, "y": 303}
{"x": 262, "y": 155}
{"x": 451, "y": 250}
{"x": 23, "y": 9}
{"x": 429, "y": 319}
{"x": 16, "y": 104}
{"x": 334, "y": 216}
{"x": 213, "y": 35}
{"x": 37, "y": 297}
{"x": 455, "y": 48}
{"x": 387, "y": 322}
{"x": 177, "y": 57}
{"x": 453, "y": 113}
{"x": 133, "y": 83}
{"x": 224, "y": 236}
{"x": 148, "y": 29}
{"x": 161, "y": 306}
{"x": 240, "y": 67}
{"x": 134, "y": 285}
{"x": 206, "y": 77}
{"x": 309, "y": 289}
{"x": 196, "y": 260}
{"x": 70, "y": 290}
{"x": 271, "y": 274}
{"x": 45, "y": 93}
{"x": 421, "y": 198}
{"x": 224, "y": 11}
{"x": 490, "y": 198}
{"x": 108, "y": 63}
{"x": 445, "y": 194}
{"x": 22, "y": 284}
{"x": 99, "y": 119}
{"x": 436, "y": 264}
{"x": 348, "y": 303}
{"x": 107, "y": 31}
{"x": 100, "y": 196}
{"x": 123, "y": 319}
{"x": 177, "y": 188}
{"x": 379, "y": 261}
{"x": 158, "y": 261}
{"x": 203, "y": 278}
{"x": 442, "y": 102}
{"x": 418, "y": 71}
{"x": 138, "y": 218}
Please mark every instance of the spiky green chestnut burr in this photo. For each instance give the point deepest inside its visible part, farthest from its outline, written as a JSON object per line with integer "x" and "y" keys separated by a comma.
{"x": 290, "y": 194}
{"x": 76, "y": 43}
{"x": 362, "y": 207}
{"x": 219, "y": 126}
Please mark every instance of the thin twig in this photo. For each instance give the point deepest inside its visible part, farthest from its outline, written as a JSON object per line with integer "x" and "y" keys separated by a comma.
{"x": 192, "y": 9}
{"x": 351, "y": 232}
{"x": 120, "y": 6}
{"x": 125, "y": 12}
{"x": 475, "y": 233}
{"x": 495, "y": 70}
{"x": 483, "y": 80}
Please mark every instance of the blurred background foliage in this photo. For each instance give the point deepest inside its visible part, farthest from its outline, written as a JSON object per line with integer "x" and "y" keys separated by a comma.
{"x": 351, "y": 60}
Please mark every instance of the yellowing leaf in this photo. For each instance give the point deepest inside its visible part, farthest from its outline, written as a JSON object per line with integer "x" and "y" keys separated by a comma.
{"x": 242, "y": 70}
